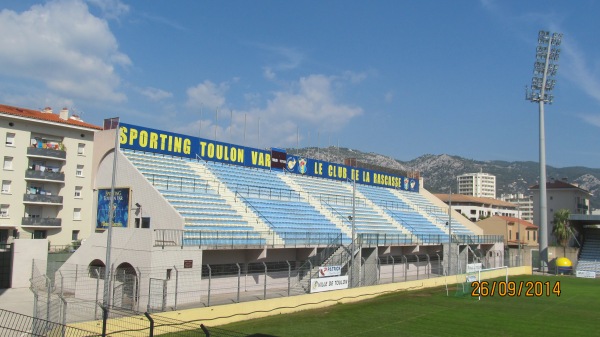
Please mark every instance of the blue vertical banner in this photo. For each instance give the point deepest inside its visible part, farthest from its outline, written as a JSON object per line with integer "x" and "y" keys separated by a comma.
{"x": 121, "y": 212}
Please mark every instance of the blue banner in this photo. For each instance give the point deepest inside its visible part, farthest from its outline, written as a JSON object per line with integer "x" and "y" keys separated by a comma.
{"x": 323, "y": 169}
{"x": 121, "y": 204}
{"x": 169, "y": 143}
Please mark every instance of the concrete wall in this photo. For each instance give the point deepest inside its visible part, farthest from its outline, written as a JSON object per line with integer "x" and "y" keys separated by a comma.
{"x": 25, "y": 251}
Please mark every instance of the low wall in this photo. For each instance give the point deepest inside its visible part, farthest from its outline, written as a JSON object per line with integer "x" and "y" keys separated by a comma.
{"x": 229, "y": 313}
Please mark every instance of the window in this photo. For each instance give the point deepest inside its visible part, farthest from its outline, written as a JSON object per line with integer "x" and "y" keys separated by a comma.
{"x": 77, "y": 214}
{"x": 81, "y": 149}
{"x": 10, "y": 139}
{"x": 39, "y": 234}
{"x": 4, "y": 211}
{"x": 79, "y": 171}
{"x": 8, "y": 163}
{"x": 78, "y": 191}
{"x": 75, "y": 235}
{"x": 534, "y": 236}
{"x": 6, "y": 186}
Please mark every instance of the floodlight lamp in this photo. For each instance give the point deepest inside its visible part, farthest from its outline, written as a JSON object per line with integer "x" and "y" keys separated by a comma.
{"x": 556, "y": 39}
{"x": 539, "y": 67}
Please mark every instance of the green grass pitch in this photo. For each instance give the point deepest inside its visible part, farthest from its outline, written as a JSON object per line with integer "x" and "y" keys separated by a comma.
{"x": 429, "y": 312}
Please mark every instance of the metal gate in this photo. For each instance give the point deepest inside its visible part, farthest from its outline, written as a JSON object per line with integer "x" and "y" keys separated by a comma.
{"x": 157, "y": 295}
{"x": 6, "y": 258}
{"x": 535, "y": 259}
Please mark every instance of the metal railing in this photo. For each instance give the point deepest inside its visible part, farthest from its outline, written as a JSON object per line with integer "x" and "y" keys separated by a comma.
{"x": 240, "y": 239}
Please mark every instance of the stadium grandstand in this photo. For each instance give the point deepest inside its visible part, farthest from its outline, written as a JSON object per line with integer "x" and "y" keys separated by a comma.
{"x": 187, "y": 209}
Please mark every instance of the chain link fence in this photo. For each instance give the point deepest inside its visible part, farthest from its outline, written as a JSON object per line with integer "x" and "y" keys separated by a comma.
{"x": 73, "y": 294}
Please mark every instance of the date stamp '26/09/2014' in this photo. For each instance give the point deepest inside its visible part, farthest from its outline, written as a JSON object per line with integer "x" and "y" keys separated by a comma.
{"x": 515, "y": 289}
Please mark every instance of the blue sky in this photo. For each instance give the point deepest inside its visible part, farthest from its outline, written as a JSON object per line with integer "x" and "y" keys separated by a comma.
{"x": 400, "y": 78}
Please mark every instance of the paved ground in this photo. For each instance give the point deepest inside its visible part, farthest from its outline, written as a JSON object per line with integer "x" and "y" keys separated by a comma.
{"x": 19, "y": 300}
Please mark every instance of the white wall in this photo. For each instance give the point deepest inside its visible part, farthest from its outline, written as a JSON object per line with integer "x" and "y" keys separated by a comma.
{"x": 25, "y": 251}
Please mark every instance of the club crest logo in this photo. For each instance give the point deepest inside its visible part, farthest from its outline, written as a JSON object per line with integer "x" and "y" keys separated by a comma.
{"x": 291, "y": 164}
{"x": 302, "y": 165}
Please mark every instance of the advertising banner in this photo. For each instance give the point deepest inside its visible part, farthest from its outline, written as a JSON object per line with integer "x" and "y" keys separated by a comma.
{"x": 121, "y": 204}
{"x": 330, "y": 271}
{"x": 151, "y": 140}
{"x": 473, "y": 267}
{"x": 585, "y": 274}
{"x": 328, "y": 284}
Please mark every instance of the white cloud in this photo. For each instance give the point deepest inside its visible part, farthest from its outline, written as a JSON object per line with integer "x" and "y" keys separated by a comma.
{"x": 63, "y": 46}
{"x": 155, "y": 94}
{"x": 112, "y": 9}
{"x": 311, "y": 100}
{"x": 577, "y": 70}
{"x": 308, "y": 104}
{"x": 207, "y": 94}
{"x": 283, "y": 59}
{"x": 388, "y": 97}
{"x": 591, "y": 119}
{"x": 269, "y": 73}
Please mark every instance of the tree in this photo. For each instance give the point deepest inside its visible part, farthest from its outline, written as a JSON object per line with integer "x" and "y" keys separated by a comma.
{"x": 561, "y": 229}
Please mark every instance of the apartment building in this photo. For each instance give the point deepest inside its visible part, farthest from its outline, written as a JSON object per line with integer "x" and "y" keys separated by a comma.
{"x": 481, "y": 185}
{"x": 524, "y": 204}
{"x": 46, "y": 175}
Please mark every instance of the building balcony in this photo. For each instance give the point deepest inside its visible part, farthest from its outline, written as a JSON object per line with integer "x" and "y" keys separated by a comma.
{"x": 44, "y": 176}
{"x": 41, "y": 222}
{"x": 46, "y": 153}
{"x": 42, "y": 199}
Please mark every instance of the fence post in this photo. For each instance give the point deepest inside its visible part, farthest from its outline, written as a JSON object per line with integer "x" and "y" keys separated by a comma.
{"x": 405, "y": 266}
{"x": 393, "y": 268}
{"x": 151, "y": 334}
{"x": 265, "y": 283}
{"x": 378, "y": 270}
{"x": 209, "y": 281}
{"x": 49, "y": 291}
{"x": 205, "y": 330}
{"x": 309, "y": 275}
{"x": 176, "y": 285}
{"x": 362, "y": 270}
{"x": 239, "y": 280}
{"x": 289, "y": 276}
{"x": 62, "y": 283}
{"x": 64, "y": 315}
{"x": 104, "y": 319}
{"x": 97, "y": 291}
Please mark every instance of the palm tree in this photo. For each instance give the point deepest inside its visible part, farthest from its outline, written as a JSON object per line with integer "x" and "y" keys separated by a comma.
{"x": 561, "y": 230}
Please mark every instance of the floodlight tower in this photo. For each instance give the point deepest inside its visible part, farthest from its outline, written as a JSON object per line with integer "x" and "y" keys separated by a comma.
{"x": 542, "y": 84}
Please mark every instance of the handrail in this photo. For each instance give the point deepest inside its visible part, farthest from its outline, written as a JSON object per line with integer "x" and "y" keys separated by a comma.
{"x": 260, "y": 215}
{"x": 345, "y": 220}
{"x": 397, "y": 217}
{"x": 236, "y": 188}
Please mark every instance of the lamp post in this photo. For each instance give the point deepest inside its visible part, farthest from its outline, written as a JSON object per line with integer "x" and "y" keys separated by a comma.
{"x": 112, "y": 123}
{"x": 542, "y": 84}
{"x": 450, "y": 231}
{"x": 353, "y": 221}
